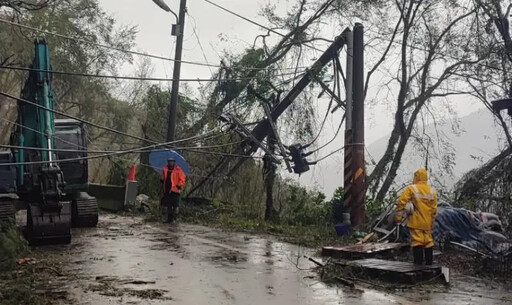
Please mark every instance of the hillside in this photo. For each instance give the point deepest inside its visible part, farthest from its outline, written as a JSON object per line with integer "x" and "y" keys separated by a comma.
{"x": 474, "y": 142}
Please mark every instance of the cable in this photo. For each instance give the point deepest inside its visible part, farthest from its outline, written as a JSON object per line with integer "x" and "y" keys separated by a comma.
{"x": 123, "y": 152}
{"x": 329, "y": 154}
{"x": 191, "y": 149}
{"x": 333, "y": 138}
{"x": 256, "y": 23}
{"x": 105, "y": 46}
{"x": 335, "y": 151}
{"x": 194, "y": 28}
{"x": 110, "y": 151}
{"x": 73, "y": 117}
{"x": 245, "y": 18}
{"x": 90, "y": 123}
{"x": 154, "y": 168}
{"x": 123, "y": 50}
{"x": 222, "y": 154}
{"x": 328, "y": 110}
{"x": 132, "y": 77}
{"x": 89, "y": 151}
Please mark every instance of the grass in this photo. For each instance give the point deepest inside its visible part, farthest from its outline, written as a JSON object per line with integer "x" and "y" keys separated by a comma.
{"x": 310, "y": 235}
{"x": 12, "y": 246}
{"x": 17, "y": 282}
{"x": 222, "y": 217}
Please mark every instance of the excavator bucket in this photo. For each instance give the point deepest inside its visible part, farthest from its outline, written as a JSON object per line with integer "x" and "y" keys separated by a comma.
{"x": 49, "y": 227}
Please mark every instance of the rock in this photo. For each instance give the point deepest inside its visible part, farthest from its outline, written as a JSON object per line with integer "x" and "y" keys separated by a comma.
{"x": 142, "y": 199}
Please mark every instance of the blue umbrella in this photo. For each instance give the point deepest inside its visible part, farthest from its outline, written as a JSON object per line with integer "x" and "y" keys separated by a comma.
{"x": 158, "y": 159}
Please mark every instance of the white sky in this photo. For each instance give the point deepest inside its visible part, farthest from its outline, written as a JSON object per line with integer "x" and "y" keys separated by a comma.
{"x": 218, "y": 31}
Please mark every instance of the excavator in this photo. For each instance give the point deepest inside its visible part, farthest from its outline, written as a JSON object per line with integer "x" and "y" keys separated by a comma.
{"x": 53, "y": 192}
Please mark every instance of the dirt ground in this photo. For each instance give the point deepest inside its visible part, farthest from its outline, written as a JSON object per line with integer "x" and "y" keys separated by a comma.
{"x": 127, "y": 261}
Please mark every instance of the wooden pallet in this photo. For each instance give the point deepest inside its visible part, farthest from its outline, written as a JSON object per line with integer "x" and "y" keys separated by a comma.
{"x": 364, "y": 250}
{"x": 403, "y": 272}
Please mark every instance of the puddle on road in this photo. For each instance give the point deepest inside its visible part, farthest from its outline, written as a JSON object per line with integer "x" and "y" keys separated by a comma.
{"x": 186, "y": 264}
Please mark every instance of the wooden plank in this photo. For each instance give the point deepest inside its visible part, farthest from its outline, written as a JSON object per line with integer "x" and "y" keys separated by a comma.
{"x": 362, "y": 250}
{"x": 395, "y": 270}
{"x": 396, "y": 266}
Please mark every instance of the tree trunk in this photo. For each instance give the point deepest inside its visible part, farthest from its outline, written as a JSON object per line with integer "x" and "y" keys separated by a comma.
{"x": 269, "y": 175}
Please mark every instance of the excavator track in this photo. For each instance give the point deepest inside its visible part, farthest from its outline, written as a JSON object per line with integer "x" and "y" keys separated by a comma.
{"x": 7, "y": 211}
{"x": 84, "y": 211}
{"x": 49, "y": 227}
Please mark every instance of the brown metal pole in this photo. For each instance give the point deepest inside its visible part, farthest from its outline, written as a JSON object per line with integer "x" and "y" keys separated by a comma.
{"x": 358, "y": 192}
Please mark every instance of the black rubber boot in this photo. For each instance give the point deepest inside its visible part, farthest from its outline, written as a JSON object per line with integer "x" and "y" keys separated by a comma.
{"x": 418, "y": 255}
{"x": 429, "y": 256}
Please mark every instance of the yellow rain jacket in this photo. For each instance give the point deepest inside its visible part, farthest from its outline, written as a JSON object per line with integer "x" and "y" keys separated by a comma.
{"x": 424, "y": 200}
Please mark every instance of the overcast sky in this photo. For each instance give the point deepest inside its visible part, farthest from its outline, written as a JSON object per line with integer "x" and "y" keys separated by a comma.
{"x": 218, "y": 30}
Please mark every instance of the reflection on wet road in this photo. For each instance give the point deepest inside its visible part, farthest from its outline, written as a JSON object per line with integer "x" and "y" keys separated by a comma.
{"x": 125, "y": 261}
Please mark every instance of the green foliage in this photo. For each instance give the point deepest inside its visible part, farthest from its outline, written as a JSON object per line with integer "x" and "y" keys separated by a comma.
{"x": 336, "y": 203}
{"x": 373, "y": 209}
{"x": 117, "y": 172}
{"x": 12, "y": 246}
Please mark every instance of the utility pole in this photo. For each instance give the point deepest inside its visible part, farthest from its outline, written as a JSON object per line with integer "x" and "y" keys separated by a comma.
{"x": 358, "y": 192}
{"x": 178, "y": 31}
{"x": 348, "y": 169}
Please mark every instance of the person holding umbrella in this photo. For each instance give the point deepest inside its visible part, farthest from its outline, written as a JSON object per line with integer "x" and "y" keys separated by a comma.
{"x": 173, "y": 180}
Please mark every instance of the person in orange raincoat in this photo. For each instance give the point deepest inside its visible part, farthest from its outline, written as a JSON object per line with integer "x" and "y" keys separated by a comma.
{"x": 173, "y": 180}
{"x": 417, "y": 206}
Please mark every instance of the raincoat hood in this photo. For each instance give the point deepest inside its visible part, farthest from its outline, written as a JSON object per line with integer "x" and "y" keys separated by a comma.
{"x": 420, "y": 176}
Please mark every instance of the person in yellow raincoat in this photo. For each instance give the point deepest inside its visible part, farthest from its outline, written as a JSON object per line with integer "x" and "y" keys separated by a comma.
{"x": 417, "y": 206}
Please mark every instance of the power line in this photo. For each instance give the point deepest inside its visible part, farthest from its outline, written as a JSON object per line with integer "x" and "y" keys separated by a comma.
{"x": 194, "y": 28}
{"x": 74, "y": 118}
{"x": 195, "y": 149}
{"x": 135, "y": 78}
{"x": 122, "y": 152}
{"x": 124, "y": 50}
{"x": 222, "y": 154}
{"x": 256, "y": 23}
{"x": 86, "y": 150}
{"x": 245, "y": 18}
{"x": 332, "y": 139}
{"x": 153, "y": 167}
{"x": 94, "y": 124}
{"x": 336, "y": 151}
{"x": 336, "y": 84}
{"x": 103, "y": 45}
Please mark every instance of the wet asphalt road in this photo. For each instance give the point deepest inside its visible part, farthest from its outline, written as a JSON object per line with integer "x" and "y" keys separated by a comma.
{"x": 126, "y": 261}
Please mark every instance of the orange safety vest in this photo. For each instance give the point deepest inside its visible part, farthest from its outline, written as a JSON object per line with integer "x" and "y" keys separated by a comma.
{"x": 177, "y": 178}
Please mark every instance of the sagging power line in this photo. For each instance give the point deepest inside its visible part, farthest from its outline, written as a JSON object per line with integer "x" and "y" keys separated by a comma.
{"x": 134, "y": 78}
{"x": 90, "y": 123}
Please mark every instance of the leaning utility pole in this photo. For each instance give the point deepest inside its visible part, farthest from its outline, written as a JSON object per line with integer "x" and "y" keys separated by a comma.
{"x": 178, "y": 31}
{"x": 264, "y": 127}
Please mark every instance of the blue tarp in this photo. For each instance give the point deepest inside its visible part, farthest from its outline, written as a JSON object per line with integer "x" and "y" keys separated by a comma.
{"x": 158, "y": 159}
{"x": 465, "y": 227}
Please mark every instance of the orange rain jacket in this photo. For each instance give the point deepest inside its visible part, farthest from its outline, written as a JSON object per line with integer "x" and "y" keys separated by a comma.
{"x": 178, "y": 179}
